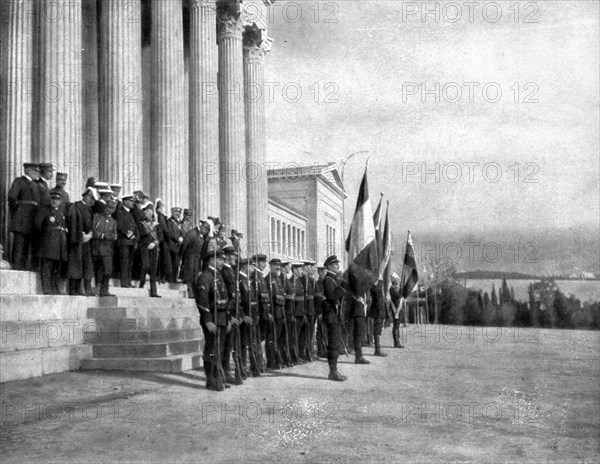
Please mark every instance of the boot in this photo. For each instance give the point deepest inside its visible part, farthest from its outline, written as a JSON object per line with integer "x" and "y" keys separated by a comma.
{"x": 230, "y": 379}
{"x": 360, "y": 358}
{"x": 378, "y": 351}
{"x": 212, "y": 381}
{"x": 333, "y": 372}
{"x": 75, "y": 287}
{"x": 87, "y": 287}
{"x": 104, "y": 286}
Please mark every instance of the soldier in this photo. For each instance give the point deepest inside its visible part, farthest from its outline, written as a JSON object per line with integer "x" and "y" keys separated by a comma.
{"x": 23, "y": 201}
{"x": 105, "y": 230}
{"x": 80, "y": 266}
{"x": 300, "y": 313}
{"x": 234, "y": 240}
{"x": 187, "y": 222}
{"x": 102, "y": 190}
{"x": 192, "y": 248}
{"x": 211, "y": 300}
{"x": 139, "y": 199}
{"x": 61, "y": 182}
{"x": 222, "y": 236}
{"x": 334, "y": 291}
{"x": 175, "y": 239}
{"x": 127, "y": 239}
{"x": 149, "y": 249}
{"x": 51, "y": 223}
{"x": 377, "y": 311}
{"x": 287, "y": 283}
{"x": 250, "y": 318}
{"x": 309, "y": 283}
{"x": 396, "y": 297}
{"x": 164, "y": 259}
{"x": 46, "y": 172}
{"x": 266, "y": 319}
{"x": 321, "y": 329}
{"x": 278, "y": 304}
{"x": 357, "y": 310}
{"x": 229, "y": 271}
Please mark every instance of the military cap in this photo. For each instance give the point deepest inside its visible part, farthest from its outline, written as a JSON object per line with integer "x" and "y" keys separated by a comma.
{"x": 234, "y": 232}
{"x": 61, "y": 176}
{"x": 45, "y": 165}
{"x": 228, "y": 249}
{"x": 321, "y": 268}
{"x": 244, "y": 261}
{"x": 212, "y": 253}
{"x": 105, "y": 191}
{"x": 148, "y": 205}
{"x": 56, "y": 195}
{"x": 31, "y": 166}
{"x": 91, "y": 190}
{"x": 187, "y": 212}
{"x": 259, "y": 257}
{"x": 309, "y": 263}
{"x": 127, "y": 197}
{"x": 205, "y": 224}
{"x": 174, "y": 209}
{"x": 214, "y": 220}
{"x": 297, "y": 264}
{"x": 285, "y": 263}
{"x": 275, "y": 262}
{"x": 331, "y": 260}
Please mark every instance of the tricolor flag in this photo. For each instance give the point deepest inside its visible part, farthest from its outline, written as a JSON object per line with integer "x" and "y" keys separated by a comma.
{"x": 377, "y": 219}
{"x": 411, "y": 277}
{"x": 361, "y": 245}
{"x": 386, "y": 244}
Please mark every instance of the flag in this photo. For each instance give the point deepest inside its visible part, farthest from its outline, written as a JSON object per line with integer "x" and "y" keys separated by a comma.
{"x": 411, "y": 277}
{"x": 386, "y": 252}
{"x": 378, "y": 237}
{"x": 361, "y": 245}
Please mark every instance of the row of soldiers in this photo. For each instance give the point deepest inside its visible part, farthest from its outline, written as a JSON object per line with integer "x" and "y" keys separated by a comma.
{"x": 270, "y": 319}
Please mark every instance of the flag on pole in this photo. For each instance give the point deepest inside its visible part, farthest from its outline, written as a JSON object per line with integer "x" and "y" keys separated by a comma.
{"x": 385, "y": 267}
{"x": 377, "y": 220}
{"x": 411, "y": 277}
{"x": 361, "y": 245}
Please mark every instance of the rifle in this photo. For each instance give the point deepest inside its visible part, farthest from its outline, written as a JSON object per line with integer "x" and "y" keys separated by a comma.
{"x": 262, "y": 366}
{"x": 306, "y": 334}
{"x": 254, "y": 365}
{"x": 217, "y": 368}
{"x": 240, "y": 372}
{"x": 278, "y": 359}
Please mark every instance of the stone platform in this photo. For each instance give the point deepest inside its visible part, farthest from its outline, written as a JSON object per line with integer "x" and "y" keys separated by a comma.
{"x": 45, "y": 334}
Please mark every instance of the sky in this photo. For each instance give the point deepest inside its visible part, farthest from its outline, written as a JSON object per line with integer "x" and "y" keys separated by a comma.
{"x": 521, "y": 155}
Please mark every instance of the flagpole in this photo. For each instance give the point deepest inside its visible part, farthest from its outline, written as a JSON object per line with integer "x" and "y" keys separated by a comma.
{"x": 402, "y": 282}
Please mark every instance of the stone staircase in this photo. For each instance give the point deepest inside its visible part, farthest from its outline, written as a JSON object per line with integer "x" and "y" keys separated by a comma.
{"x": 44, "y": 334}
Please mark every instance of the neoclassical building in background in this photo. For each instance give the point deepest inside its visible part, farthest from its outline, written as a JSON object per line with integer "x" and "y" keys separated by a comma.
{"x": 158, "y": 95}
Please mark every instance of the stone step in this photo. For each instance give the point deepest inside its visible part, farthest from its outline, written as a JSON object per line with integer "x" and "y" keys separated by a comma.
{"x": 142, "y": 312}
{"x": 142, "y": 336}
{"x": 31, "y": 335}
{"x": 148, "y": 324}
{"x": 45, "y": 307}
{"x": 148, "y": 350}
{"x": 145, "y": 292}
{"x": 146, "y": 302}
{"x": 167, "y": 364}
{"x": 17, "y": 283}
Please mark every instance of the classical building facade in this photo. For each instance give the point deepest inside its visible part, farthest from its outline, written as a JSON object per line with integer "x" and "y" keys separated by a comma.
{"x": 151, "y": 94}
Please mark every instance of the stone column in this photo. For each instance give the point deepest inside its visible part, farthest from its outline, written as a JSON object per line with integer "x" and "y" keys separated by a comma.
{"x": 16, "y": 98}
{"x": 91, "y": 131}
{"x": 232, "y": 130}
{"x": 169, "y": 167}
{"x": 204, "y": 110}
{"x": 120, "y": 67}
{"x": 60, "y": 118}
{"x": 256, "y": 44}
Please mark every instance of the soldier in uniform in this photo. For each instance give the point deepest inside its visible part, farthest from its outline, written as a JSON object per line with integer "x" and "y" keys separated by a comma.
{"x": 149, "y": 249}
{"x": 250, "y": 343}
{"x": 309, "y": 283}
{"x": 321, "y": 329}
{"x": 266, "y": 320}
{"x": 80, "y": 266}
{"x": 287, "y": 282}
{"x": 46, "y": 172}
{"x": 164, "y": 260}
{"x": 51, "y": 223}
{"x": 278, "y": 304}
{"x": 300, "y": 312}
{"x": 61, "y": 182}
{"x": 23, "y": 201}
{"x": 105, "y": 230}
{"x": 127, "y": 239}
{"x": 187, "y": 222}
{"x": 102, "y": 191}
{"x": 229, "y": 271}
{"x": 396, "y": 297}
{"x": 175, "y": 239}
{"x": 334, "y": 291}
{"x": 377, "y": 311}
{"x": 357, "y": 310}
{"x": 234, "y": 240}
{"x": 211, "y": 300}
{"x": 191, "y": 251}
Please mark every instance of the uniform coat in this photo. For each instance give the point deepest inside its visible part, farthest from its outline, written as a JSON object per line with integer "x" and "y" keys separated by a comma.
{"x": 79, "y": 219}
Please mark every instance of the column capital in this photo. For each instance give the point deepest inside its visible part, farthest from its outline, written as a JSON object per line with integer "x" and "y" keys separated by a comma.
{"x": 229, "y": 25}
{"x": 196, "y": 4}
{"x": 256, "y": 43}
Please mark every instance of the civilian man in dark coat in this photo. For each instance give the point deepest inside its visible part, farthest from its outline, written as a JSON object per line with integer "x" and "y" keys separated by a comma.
{"x": 52, "y": 227}
{"x": 333, "y": 290}
{"x": 105, "y": 234}
{"x": 79, "y": 219}
{"x": 175, "y": 239}
{"x": 127, "y": 239}
{"x": 191, "y": 251}
{"x": 23, "y": 201}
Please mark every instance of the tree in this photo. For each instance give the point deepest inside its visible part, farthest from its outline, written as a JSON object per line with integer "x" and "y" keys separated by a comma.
{"x": 494, "y": 297}
{"x": 561, "y": 310}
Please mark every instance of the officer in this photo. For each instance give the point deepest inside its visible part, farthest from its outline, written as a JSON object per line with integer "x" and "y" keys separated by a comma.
{"x": 175, "y": 238}
{"x": 149, "y": 249}
{"x": 61, "y": 182}
{"x": 250, "y": 344}
{"x": 357, "y": 307}
{"x": 300, "y": 313}
{"x": 333, "y": 291}
{"x": 234, "y": 240}
{"x": 80, "y": 266}
{"x": 105, "y": 230}
{"x": 187, "y": 221}
{"x": 230, "y": 278}
{"x": 104, "y": 194}
{"x": 51, "y": 223}
{"x": 127, "y": 239}
{"x": 396, "y": 297}
{"x": 377, "y": 311}
{"x": 212, "y": 300}
{"x": 46, "y": 173}
{"x": 309, "y": 282}
{"x": 191, "y": 252}
{"x": 278, "y": 304}
{"x": 321, "y": 329}
{"x": 287, "y": 282}
{"x": 23, "y": 201}
{"x": 164, "y": 261}
{"x": 266, "y": 319}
